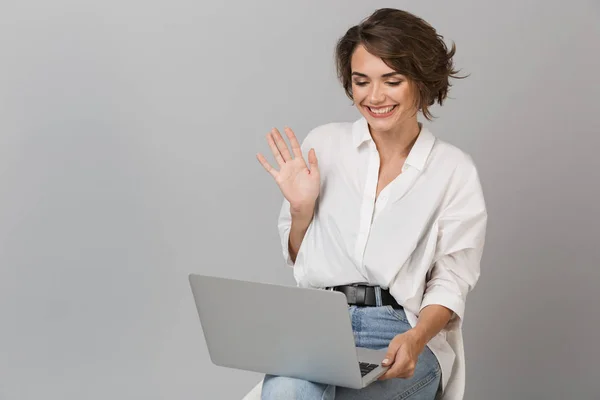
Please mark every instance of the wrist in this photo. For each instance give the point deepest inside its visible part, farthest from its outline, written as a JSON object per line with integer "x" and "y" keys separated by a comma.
{"x": 303, "y": 211}
{"x": 419, "y": 335}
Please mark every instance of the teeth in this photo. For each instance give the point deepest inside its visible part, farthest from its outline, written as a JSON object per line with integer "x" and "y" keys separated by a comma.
{"x": 381, "y": 110}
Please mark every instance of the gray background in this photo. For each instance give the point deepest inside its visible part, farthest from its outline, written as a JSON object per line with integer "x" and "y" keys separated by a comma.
{"x": 128, "y": 133}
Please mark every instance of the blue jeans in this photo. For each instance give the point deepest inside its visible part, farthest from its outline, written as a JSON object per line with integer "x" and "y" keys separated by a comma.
{"x": 373, "y": 327}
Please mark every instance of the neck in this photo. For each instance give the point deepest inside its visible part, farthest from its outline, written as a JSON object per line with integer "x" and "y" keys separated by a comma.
{"x": 396, "y": 142}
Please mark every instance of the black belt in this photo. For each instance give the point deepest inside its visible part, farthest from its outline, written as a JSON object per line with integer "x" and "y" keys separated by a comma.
{"x": 364, "y": 295}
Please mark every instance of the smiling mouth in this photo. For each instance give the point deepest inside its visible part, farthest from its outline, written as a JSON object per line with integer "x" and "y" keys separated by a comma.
{"x": 381, "y": 111}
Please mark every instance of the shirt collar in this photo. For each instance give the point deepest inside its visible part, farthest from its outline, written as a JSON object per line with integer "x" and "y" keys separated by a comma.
{"x": 360, "y": 132}
{"x": 421, "y": 149}
{"x": 418, "y": 154}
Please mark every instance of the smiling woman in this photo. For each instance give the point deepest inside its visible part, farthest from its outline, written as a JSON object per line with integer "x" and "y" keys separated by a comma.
{"x": 403, "y": 219}
{"x": 399, "y": 45}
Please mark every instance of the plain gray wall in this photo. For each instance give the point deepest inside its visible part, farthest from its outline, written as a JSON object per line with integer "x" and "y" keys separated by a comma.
{"x": 128, "y": 133}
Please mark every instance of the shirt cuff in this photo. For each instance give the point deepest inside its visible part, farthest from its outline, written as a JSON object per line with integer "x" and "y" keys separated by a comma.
{"x": 285, "y": 237}
{"x": 453, "y": 301}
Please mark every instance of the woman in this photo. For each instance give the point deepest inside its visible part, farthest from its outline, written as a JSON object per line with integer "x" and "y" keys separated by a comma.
{"x": 388, "y": 212}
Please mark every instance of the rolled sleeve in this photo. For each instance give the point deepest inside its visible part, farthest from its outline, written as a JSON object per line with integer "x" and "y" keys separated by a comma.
{"x": 461, "y": 237}
{"x": 284, "y": 225}
{"x": 451, "y": 278}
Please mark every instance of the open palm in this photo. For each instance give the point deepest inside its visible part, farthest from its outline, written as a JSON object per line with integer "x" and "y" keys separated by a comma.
{"x": 299, "y": 184}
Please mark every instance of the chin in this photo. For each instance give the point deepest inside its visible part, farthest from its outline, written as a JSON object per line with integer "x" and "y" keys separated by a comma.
{"x": 381, "y": 124}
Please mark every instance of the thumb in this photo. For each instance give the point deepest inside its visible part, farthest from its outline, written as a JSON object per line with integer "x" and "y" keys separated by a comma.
{"x": 312, "y": 160}
{"x": 390, "y": 355}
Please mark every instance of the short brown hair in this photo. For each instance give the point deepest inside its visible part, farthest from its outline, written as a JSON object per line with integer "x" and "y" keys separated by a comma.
{"x": 407, "y": 44}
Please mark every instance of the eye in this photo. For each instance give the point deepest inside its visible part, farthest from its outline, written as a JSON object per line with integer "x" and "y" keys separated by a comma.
{"x": 394, "y": 83}
{"x": 360, "y": 83}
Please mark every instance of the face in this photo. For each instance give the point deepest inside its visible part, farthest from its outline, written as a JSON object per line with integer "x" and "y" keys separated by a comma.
{"x": 383, "y": 96}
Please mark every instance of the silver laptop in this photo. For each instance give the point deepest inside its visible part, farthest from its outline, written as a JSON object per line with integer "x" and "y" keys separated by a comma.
{"x": 283, "y": 330}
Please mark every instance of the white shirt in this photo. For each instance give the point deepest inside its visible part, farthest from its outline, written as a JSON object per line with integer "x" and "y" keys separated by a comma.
{"x": 422, "y": 238}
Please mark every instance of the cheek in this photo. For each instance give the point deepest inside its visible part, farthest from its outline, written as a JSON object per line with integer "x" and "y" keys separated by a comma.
{"x": 405, "y": 99}
{"x": 358, "y": 93}
{"x": 402, "y": 94}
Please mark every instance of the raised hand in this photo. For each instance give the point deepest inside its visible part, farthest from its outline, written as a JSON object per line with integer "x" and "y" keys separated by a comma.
{"x": 299, "y": 184}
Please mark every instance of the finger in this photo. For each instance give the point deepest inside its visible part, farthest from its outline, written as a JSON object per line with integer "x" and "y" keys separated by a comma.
{"x": 263, "y": 161}
{"x": 390, "y": 373}
{"x": 390, "y": 356}
{"x": 404, "y": 366}
{"x": 312, "y": 160}
{"x": 389, "y": 359}
{"x": 281, "y": 145}
{"x": 395, "y": 370}
{"x": 296, "y": 149}
{"x": 274, "y": 149}
{"x": 385, "y": 376}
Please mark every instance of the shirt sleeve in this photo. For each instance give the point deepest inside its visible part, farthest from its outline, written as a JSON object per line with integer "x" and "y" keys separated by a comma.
{"x": 283, "y": 225}
{"x": 461, "y": 237}
{"x": 284, "y": 222}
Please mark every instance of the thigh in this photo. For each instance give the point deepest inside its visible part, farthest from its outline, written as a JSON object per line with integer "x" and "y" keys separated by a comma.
{"x": 375, "y": 327}
{"x": 423, "y": 385}
{"x": 284, "y": 388}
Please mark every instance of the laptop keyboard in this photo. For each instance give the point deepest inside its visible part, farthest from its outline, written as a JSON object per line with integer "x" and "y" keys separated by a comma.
{"x": 365, "y": 368}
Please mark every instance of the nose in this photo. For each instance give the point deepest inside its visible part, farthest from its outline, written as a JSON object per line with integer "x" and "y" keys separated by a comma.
{"x": 376, "y": 95}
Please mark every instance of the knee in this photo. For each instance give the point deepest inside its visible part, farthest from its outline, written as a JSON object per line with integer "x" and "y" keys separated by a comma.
{"x": 280, "y": 387}
{"x": 284, "y": 388}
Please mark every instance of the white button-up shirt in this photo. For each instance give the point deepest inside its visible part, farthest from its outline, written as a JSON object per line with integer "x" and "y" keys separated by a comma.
{"x": 422, "y": 238}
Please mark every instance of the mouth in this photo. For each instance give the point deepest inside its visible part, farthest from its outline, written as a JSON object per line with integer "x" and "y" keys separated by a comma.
{"x": 381, "y": 112}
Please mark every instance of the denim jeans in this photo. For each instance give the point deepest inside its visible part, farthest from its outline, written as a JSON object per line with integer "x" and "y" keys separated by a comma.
{"x": 373, "y": 327}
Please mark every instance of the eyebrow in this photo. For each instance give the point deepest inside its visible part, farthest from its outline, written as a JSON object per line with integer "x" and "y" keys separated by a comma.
{"x": 383, "y": 76}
